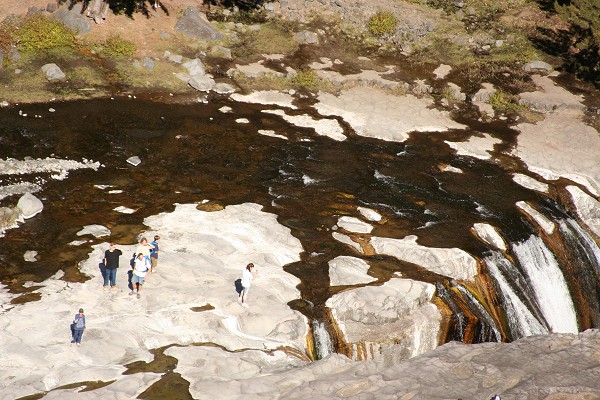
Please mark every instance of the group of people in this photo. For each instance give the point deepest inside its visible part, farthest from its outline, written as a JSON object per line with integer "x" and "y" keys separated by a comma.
{"x": 144, "y": 261}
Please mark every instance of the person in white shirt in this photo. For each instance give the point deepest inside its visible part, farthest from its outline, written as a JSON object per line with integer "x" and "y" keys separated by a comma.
{"x": 248, "y": 276}
{"x": 140, "y": 269}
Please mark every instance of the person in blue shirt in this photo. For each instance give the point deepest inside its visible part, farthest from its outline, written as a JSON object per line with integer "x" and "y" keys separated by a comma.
{"x": 154, "y": 253}
{"x": 77, "y": 327}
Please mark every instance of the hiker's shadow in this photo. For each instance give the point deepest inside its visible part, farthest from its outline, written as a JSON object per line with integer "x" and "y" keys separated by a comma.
{"x": 238, "y": 286}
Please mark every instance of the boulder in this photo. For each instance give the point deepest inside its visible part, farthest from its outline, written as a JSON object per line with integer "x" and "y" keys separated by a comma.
{"x": 489, "y": 234}
{"x": 224, "y": 88}
{"x": 344, "y": 270}
{"x": 14, "y": 54}
{"x": 94, "y": 230}
{"x": 202, "y": 83}
{"x": 72, "y": 19}
{"x": 148, "y": 63}
{"x": 220, "y": 51}
{"x": 29, "y": 205}
{"x": 30, "y": 256}
{"x": 134, "y": 160}
{"x": 537, "y": 65}
{"x": 307, "y": 37}
{"x": 195, "y": 25}
{"x": 352, "y": 224}
{"x": 194, "y": 67}
{"x": 53, "y": 72}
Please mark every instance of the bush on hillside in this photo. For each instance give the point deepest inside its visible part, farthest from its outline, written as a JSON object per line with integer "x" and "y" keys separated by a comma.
{"x": 383, "y": 23}
{"x": 38, "y": 33}
{"x": 116, "y": 46}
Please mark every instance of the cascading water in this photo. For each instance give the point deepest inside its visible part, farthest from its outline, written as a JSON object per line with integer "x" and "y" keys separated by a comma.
{"x": 579, "y": 240}
{"x": 548, "y": 283}
{"x": 489, "y": 331}
{"x": 521, "y": 320}
{"x": 323, "y": 343}
{"x": 457, "y": 332}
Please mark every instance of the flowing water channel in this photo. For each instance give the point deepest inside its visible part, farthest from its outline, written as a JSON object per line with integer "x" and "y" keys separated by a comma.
{"x": 193, "y": 152}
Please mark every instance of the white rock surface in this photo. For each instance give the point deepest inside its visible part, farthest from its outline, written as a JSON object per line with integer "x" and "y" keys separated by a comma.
{"x": 587, "y": 208}
{"x": 396, "y": 318}
{"x": 530, "y": 183}
{"x": 270, "y": 132}
{"x": 134, "y": 160}
{"x": 269, "y": 97}
{"x": 373, "y": 113}
{"x": 442, "y": 71}
{"x": 489, "y": 234}
{"x": 324, "y": 127}
{"x": 344, "y": 270}
{"x": 30, "y": 256}
{"x": 370, "y": 214}
{"x": 94, "y": 230}
{"x": 454, "y": 263}
{"x": 340, "y": 237}
{"x": 196, "y": 268}
{"x": 546, "y": 224}
{"x": 29, "y": 205}
{"x": 353, "y": 224}
{"x": 477, "y": 146}
{"x": 10, "y": 166}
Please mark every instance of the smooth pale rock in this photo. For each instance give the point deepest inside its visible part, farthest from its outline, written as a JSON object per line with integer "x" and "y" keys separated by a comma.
{"x": 195, "y": 25}
{"x": 587, "y": 208}
{"x": 450, "y": 168}
{"x": 324, "y": 127}
{"x": 442, "y": 71}
{"x": 369, "y": 214}
{"x": 134, "y": 160}
{"x": 270, "y": 132}
{"x": 546, "y": 224}
{"x": 53, "y": 72}
{"x": 194, "y": 67}
{"x": 478, "y": 146}
{"x": 353, "y": 224}
{"x": 94, "y": 230}
{"x": 454, "y": 263}
{"x": 455, "y": 92}
{"x": 202, "y": 83}
{"x": 225, "y": 109}
{"x": 256, "y": 70}
{"x": 223, "y": 88}
{"x": 384, "y": 116}
{"x": 269, "y": 97}
{"x": 489, "y": 234}
{"x": 30, "y": 256}
{"x": 242, "y": 121}
{"x": 396, "y": 319}
{"x": 344, "y": 270}
{"x": 307, "y": 37}
{"x": 537, "y": 65}
{"x": 530, "y": 183}
{"x": 551, "y": 97}
{"x": 124, "y": 210}
{"x": 221, "y": 51}
{"x": 29, "y": 205}
{"x": 72, "y": 19}
{"x": 340, "y": 237}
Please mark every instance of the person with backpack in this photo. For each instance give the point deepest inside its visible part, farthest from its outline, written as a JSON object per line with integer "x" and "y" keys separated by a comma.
{"x": 140, "y": 269}
{"x": 77, "y": 327}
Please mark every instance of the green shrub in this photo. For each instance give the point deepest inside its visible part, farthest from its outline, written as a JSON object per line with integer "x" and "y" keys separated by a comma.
{"x": 116, "y": 46}
{"x": 306, "y": 79}
{"x": 36, "y": 32}
{"x": 383, "y": 23}
{"x": 504, "y": 102}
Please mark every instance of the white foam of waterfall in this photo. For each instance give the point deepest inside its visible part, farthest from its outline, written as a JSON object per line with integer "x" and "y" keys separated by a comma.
{"x": 548, "y": 283}
{"x": 578, "y": 235}
{"x": 482, "y": 312}
{"x": 323, "y": 344}
{"x": 520, "y": 319}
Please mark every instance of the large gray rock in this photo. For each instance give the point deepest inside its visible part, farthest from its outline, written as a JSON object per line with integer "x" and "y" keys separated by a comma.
{"x": 72, "y": 20}
{"x": 14, "y": 54}
{"x": 195, "y": 25}
{"x": 29, "y": 205}
{"x": 53, "y": 72}
{"x": 224, "y": 88}
{"x": 202, "y": 83}
{"x": 537, "y": 65}
{"x": 307, "y": 37}
{"x": 194, "y": 67}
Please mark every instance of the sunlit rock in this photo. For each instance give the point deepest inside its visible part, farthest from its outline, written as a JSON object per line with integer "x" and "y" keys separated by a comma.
{"x": 344, "y": 270}
{"x": 478, "y": 146}
{"x": 442, "y": 71}
{"x": 352, "y": 224}
{"x": 53, "y": 72}
{"x": 587, "y": 208}
{"x": 489, "y": 234}
{"x": 545, "y": 223}
{"x": 370, "y": 214}
{"x": 454, "y": 262}
{"x": 551, "y": 98}
{"x": 94, "y": 230}
{"x": 134, "y": 160}
{"x": 30, "y": 256}
{"x": 340, "y": 237}
{"x": 324, "y": 127}
{"x": 29, "y": 205}
{"x": 270, "y": 97}
{"x": 530, "y": 183}
{"x": 394, "y": 321}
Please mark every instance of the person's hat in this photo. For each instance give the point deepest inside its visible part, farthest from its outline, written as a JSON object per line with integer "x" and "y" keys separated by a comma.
{"x": 81, "y": 310}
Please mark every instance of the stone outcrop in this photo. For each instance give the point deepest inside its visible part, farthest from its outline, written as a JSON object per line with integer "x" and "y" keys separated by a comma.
{"x": 344, "y": 270}
{"x": 53, "y": 72}
{"x": 73, "y": 19}
{"x": 29, "y": 205}
{"x": 195, "y": 25}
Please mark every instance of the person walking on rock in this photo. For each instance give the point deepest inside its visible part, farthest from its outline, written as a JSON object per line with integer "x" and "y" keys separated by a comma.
{"x": 140, "y": 269}
{"x": 248, "y": 276}
{"x": 154, "y": 254}
{"x": 111, "y": 263}
{"x": 78, "y": 326}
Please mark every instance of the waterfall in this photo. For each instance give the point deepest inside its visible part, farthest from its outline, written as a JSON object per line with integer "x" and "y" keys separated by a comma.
{"x": 586, "y": 248}
{"x": 548, "y": 283}
{"x": 521, "y": 321}
{"x": 323, "y": 344}
{"x": 457, "y": 332}
{"x": 489, "y": 331}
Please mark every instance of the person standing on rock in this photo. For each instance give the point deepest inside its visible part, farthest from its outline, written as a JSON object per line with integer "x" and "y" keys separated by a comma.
{"x": 248, "y": 276}
{"x": 144, "y": 247}
{"x": 111, "y": 263}
{"x": 77, "y": 327}
{"x": 140, "y": 269}
{"x": 154, "y": 255}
